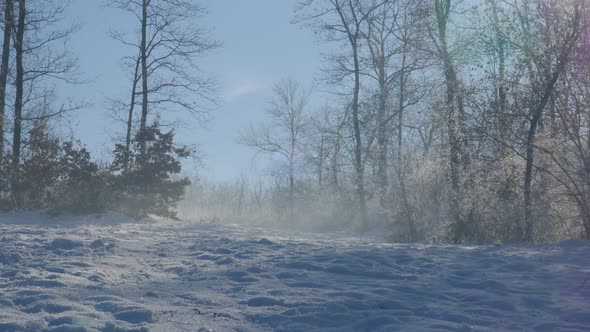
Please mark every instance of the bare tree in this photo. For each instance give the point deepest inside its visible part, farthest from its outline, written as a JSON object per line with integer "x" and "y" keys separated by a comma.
{"x": 455, "y": 113}
{"x": 283, "y": 135}
{"x": 343, "y": 21}
{"x": 168, "y": 43}
{"x": 551, "y": 68}
{"x": 500, "y": 42}
{"x": 39, "y": 63}
{"x": 383, "y": 49}
{"x": 571, "y": 151}
{"x": 393, "y": 46}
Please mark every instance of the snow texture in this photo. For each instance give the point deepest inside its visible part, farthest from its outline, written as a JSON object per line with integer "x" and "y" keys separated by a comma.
{"x": 110, "y": 273}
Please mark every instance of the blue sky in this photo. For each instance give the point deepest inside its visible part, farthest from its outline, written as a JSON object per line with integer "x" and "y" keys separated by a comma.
{"x": 260, "y": 46}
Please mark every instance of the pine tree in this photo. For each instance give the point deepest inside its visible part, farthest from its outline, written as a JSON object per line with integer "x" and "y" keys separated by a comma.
{"x": 150, "y": 184}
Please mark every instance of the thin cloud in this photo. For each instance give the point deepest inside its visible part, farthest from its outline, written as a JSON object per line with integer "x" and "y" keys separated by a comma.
{"x": 243, "y": 89}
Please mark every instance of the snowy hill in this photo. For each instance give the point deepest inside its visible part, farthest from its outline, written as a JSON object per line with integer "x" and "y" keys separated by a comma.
{"x": 113, "y": 274}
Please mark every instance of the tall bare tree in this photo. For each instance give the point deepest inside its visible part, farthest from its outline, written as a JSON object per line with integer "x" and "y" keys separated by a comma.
{"x": 455, "y": 114}
{"x": 383, "y": 48}
{"x": 344, "y": 21}
{"x": 393, "y": 56}
{"x": 566, "y": 28}
{"x": 167, "y": 46}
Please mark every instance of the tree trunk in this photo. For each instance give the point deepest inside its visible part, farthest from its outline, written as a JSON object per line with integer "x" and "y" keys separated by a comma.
{"x": 400, "y": 169}
{"x": 291, "y": 190}
{"x": 130, "y": 116}
{"x": 584, "y": 199}
{"x": 321, "y": 162}
{"x": 530, "y": 151}
{"x": 528, "y": 178}
{"x": 454, "y": 158}
{"x": 455, "y": 121}
{"x": 358, "y": 158}
{"x": 8, "y": 12}
{"x": 501, "y": 95}
{"x": 587, "y": 225}
{"x": 144, "y": 79}
{"x": 587, "y": 170}
{"x": 537, "y": 114}
{"x": 334, "y": 165}
{"x": 18, "y": 105}
{"x": 382, "y": 141}
{"x": 401, "y": 106}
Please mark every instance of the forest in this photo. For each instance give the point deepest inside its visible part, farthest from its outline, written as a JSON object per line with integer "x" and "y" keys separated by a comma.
{"x": 443, "y": 121}
{"x": 433, "y": 175}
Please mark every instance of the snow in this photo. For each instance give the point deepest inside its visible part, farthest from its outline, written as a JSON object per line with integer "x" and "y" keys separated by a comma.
{"x": 112, "y": 273}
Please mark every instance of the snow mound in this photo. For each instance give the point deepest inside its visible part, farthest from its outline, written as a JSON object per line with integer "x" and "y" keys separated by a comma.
{"x": 158, "y": 275}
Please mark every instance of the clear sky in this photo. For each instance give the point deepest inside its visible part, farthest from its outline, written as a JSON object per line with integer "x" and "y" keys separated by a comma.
{"x": 260, "y": 46}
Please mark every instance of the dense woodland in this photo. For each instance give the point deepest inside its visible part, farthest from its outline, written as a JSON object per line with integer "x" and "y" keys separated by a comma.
{"x": 446, "y": 120}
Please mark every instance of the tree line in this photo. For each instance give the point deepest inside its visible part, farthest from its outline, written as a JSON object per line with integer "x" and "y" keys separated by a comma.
{"x": 42, "y": 169}
{"x": 459, "y": 121}
{"x": 447, "y": 120}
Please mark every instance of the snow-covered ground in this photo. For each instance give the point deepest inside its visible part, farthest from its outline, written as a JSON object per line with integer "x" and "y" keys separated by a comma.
{"x": 111, "y": 274}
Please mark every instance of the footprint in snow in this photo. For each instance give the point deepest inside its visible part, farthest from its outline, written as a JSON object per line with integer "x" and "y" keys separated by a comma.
{"x": 125, "y": 311}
